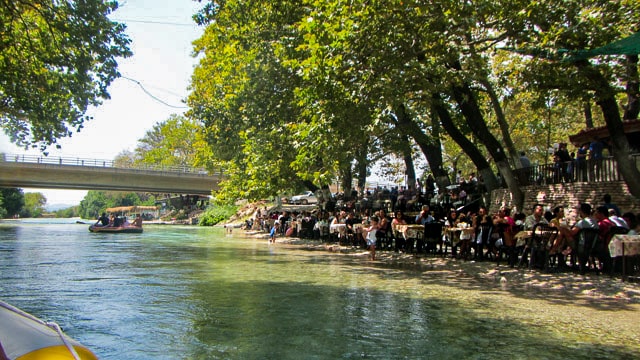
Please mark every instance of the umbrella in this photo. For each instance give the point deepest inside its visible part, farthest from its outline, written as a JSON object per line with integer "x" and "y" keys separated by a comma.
{"x": 25, "y": 337}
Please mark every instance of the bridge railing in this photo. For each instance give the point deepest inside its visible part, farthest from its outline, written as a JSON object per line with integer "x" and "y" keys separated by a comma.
{"x": 77, "y": 161}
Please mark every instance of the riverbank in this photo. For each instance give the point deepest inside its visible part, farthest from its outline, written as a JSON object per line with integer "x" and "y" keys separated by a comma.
{"x": 567, "y": 286}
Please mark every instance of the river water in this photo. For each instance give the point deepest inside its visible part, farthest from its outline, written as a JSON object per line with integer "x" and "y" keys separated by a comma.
{"x": 178, "y": 292}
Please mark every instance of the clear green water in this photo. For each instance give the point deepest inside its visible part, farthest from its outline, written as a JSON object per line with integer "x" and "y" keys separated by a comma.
{"x": 195, "y": 293}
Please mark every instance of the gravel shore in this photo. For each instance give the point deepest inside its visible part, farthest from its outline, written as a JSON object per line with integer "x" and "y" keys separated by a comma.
{"x": 569, "y": 285}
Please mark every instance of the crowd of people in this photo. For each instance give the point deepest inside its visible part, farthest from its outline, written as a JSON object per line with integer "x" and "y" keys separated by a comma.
{"x": 487, "y": 236}
{"x": 585, "y": 163}
{"x": 114, "y": 220}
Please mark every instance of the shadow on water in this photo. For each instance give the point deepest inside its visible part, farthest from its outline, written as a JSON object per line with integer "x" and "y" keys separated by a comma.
{"x": 289, "y": 320}
{"x": 284, "y": 319}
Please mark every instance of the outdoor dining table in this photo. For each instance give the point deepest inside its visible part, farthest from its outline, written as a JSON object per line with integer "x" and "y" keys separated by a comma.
{"x": 455, "y": 232}
{"x": 410, "y": 231}
{"x": 522, "y": 236}
{"x": 340, "y": 229}
{"x": 624, "y": 246}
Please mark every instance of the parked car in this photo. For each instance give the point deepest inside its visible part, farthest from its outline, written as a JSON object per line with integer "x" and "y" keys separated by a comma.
{"x": 307, "y": 198}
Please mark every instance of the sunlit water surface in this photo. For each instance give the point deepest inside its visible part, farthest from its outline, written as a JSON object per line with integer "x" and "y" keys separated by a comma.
{"x": 195, "y": 293}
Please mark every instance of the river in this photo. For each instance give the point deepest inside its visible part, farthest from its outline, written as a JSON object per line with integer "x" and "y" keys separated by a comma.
{"x": 183, "y": 292}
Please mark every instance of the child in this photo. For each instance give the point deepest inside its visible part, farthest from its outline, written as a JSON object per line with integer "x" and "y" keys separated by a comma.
{"x": 371, "y": 236}
{"x": 274, "y": 232}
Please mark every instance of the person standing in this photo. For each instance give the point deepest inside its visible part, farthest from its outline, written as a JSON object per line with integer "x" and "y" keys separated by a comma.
{"x": 596, "y": 148}
{"x": 609, "y": 205}
{"x": 581, "y": 162}
{"x": 371, "y": 237}
{"x": 274, "y": 232}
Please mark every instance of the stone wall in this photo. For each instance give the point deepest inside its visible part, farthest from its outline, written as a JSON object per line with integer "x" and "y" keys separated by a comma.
{"x": 568, "y": 195}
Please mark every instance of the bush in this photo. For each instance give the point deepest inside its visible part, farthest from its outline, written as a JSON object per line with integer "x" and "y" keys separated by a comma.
{"x": 217, "y": 213}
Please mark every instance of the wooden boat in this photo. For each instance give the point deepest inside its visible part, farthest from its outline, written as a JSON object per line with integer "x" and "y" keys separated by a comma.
{"x": 116, "y": 229}
{"x": 25, "y": 337}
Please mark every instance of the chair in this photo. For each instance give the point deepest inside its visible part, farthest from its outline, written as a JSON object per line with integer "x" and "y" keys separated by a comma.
{"x": 587, "y": 240}
{"x": 507, "y": 247}
{"x": 481, "y": 240}
{"x": 432, "y": 236}
{"x": 542, "y": 238}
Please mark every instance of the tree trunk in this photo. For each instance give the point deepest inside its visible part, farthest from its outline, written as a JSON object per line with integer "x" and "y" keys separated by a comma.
{"x": 430, "y": 145}
{"x": 361, "y": 169}
{"x": 469, "y": 148}
{"x": 473, "y": 114}
{"x": 633, "y": 89}
{"x": 588, "y": 115}
{"x": 605, "y": 98}
{"x": 410, "y": 167}
{"x": 502, "y": 122}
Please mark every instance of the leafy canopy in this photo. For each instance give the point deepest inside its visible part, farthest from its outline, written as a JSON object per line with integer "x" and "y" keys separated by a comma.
{"x": 57, "y": 58}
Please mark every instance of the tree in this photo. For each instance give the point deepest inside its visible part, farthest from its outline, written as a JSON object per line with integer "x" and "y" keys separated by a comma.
{"x": 169, "y": 143}
{"x": 553, "y": 39}
{"x": 12, "y": 201}
{"x": 34, "y": 204}
{"x": 57, "y": 59}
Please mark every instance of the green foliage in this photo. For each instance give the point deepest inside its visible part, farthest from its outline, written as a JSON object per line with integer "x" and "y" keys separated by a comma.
{"x": 168, "y": 143}
{"x": 68, "y": 212}
{"x": 12, "y": 201}
{"x": 295, "y": 92}
{"x": 57, "y": 59}
{"x": 95, "y": 202}
{"x": 217, "y": 213}
{"x": 34, "y": 204}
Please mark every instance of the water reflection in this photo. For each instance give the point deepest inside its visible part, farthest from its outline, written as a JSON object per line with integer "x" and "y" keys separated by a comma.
{"x": 193, "y": 293}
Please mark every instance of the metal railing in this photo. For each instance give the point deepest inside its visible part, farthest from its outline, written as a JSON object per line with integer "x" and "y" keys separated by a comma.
{"x": 77, "y": 161}
{"x": 593, "y": 170}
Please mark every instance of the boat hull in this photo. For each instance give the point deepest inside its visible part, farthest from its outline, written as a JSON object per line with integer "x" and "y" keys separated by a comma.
{"x": 116, "y": 230}
{"x": 25, "y": 337}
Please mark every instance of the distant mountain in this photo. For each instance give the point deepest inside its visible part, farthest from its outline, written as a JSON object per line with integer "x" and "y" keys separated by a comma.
{"x": 56, "y": 207}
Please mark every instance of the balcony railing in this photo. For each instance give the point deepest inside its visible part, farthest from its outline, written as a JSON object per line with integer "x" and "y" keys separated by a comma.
{"x": 605, "y": 169}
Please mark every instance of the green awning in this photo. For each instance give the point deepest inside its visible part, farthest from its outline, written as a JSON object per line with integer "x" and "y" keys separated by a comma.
{"x": 627, "y": 46}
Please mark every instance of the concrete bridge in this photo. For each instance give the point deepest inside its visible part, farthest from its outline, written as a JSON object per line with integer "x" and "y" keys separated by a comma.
{"x": 32, "y": 171}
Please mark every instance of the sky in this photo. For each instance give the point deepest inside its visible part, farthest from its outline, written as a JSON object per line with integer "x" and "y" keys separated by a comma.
{"x": 161, "y": 33}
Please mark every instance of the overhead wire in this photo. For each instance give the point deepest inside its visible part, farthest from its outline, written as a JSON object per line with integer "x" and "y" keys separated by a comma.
{"x": 151, "y": 95}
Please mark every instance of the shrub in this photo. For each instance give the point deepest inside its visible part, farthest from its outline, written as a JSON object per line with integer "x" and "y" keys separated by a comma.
{"x": 217, "y": 213}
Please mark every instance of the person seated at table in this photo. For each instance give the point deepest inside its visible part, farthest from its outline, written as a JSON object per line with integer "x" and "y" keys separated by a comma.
{"x": 349, "y": 222}
{"x": 424, "y": 217}
{"x": 632, "y": 221}
{"x": 464, "y": 222}
{"x": 535, "y": 218}
{"x": 480, "y": 221}
{"x": 568, "y": 235}
{"x": 557, "y": 221}
{"x": 504, "y": 224}
{"x": 602, "y": 248}
{"x": 383, "y": 235}
{"x": 398, "y": 219}
{"x": 339, "y": 218}
{"x": 619, "y": 221}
